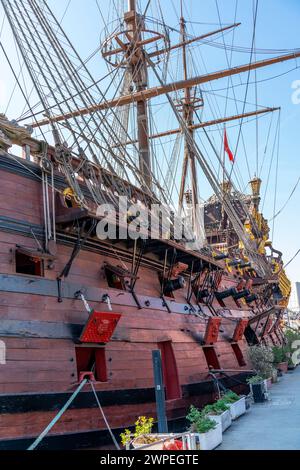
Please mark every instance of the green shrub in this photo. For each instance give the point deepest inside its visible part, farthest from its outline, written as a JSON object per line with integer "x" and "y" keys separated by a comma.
{"x": 279, "y": 354}
{"x": 204, "y": 425}
{"x": 230, "y": 397}
{"x": 216, "y": 408}
{"x": 194, "y": 414}
{"x": 290, "y": 337}
{"x": 142, "y": 426}
{"x": 200, "y": 423}
{"x": 262, "y": 359}
{"x": 256, "y": 379}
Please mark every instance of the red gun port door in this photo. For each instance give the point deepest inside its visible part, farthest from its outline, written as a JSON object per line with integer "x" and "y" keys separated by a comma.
{"x": 170, "y": 372}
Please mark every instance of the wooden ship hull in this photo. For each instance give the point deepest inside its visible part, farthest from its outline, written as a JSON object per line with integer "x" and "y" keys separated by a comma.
{"x": 41, "y": 331}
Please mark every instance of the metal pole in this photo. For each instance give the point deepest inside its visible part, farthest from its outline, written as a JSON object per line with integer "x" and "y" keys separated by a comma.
{"x": 159, "y": 393}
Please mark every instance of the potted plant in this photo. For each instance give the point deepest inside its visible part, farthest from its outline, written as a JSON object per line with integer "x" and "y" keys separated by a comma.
{"x": 258, "y": 388}
{"x": 206, "y": 434}
{"x": 220, "y": 413}
{"x": 142, "y": 435}
{"x": 280, "y": 359}
{"x": 262, "y": 359}
{"x": 236, "y": 403}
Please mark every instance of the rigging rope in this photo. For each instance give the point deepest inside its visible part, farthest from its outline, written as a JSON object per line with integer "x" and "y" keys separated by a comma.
{"x": 292, "y": 259}
{"x": 276, "y": 179}
{"x": 288, "y": 200}
{"x": 247, "y": 86}
{"x": 257, "y": 260}
{"x": 104, "y": 417}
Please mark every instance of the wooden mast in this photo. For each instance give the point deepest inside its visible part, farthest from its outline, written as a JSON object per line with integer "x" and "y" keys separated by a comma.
{"x": 188, "y": 115}
{"x": 139, "y": 70}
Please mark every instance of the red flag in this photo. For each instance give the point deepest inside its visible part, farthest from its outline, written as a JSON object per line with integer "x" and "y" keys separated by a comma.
{"x": 226, "y": 147}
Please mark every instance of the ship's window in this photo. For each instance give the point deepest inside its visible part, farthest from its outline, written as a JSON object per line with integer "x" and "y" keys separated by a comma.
{"x": 29, "y": 265}
{"x": 170, "y": 372}
{"x": 211, "y": 357}
{"x": 92, "y": 360}
{"x": 113, "y": 280}
{"x": 238, "y": 354}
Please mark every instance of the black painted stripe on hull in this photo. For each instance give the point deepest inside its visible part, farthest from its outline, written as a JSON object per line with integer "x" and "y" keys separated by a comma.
{"x": 26, "y": 403}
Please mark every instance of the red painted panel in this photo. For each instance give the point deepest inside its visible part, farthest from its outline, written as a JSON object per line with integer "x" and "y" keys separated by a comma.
{"x": 239, "y": 330}
{"x": 212, "y": 330}
{"x": 239, "y": 355}
{"x": 92, "y": 359}
{"x": 100, "y": 327}
{"x": 170, "y": 372}
{"x": 101, "y": 368}
{"x": 211, "y": 357}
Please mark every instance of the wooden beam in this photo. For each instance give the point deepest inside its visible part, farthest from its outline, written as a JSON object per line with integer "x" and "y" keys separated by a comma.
{"x": 171, "y": 87}
{"x": 39, "y": 329}
{"x": 191, "y": 41}
{"x": 171, "y": 48}
{"x": 207, "y": 124}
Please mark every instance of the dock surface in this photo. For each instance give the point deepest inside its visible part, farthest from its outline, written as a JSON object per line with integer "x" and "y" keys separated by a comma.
{"x": 274, "y": 425}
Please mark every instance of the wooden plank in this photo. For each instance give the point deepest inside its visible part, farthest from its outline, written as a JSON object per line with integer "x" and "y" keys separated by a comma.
{"x": 49, "y": 354}
{"x": 38, "y": 343}
{"x": 45, "y": 287}
{"x": 37, "y": 376}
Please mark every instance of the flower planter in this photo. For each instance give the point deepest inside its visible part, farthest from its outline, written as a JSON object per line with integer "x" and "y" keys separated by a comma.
{"x": 238, "y": 408}
{"x": 224, "y": 419}
{"x": 207, "y": 441}
{"x": 155, "y": 445}
{"x": 259, "y": 392}
{"x": 283, "y": 366}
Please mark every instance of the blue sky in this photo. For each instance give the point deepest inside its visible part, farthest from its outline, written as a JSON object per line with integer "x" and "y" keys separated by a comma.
{"x": 277, "y": 29}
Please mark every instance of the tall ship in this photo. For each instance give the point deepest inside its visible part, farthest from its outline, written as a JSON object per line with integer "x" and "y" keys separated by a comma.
{"x": 96, "y": 272}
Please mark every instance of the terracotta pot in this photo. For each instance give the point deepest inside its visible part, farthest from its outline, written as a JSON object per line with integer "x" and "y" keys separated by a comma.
{"x": 283, "y": 366}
